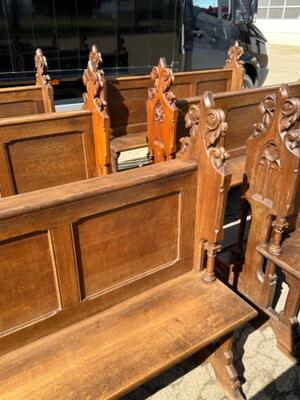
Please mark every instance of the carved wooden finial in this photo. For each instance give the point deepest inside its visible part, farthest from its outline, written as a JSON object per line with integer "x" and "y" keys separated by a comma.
{"x": 207, "y": 124}
{"x": 95, "y": 56}
{"x": 235, "y": 52}
{"x": 41, "y": 65}
{"x": 162, "y": 76}
{"x": 94, "y": 81}
{"x": 236, "y": 65}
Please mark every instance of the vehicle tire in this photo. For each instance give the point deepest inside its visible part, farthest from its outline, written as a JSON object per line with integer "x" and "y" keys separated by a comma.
{"x": 248, "y": 82}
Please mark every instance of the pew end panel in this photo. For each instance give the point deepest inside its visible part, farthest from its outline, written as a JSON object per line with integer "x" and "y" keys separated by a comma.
{"x": 207, "y": 127}
{"x": 271, "y": 191}
{"x": 162, "y": 114}
{"x": 95, "y": 100}
{"x": 104, "y": 293}
{"x": 45, "y": 150}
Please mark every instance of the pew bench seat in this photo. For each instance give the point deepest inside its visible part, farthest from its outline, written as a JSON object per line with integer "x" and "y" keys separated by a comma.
{"x": 126, "y": 143}
{"x": 113, "y": 352}
{"x": 288, "y": 259}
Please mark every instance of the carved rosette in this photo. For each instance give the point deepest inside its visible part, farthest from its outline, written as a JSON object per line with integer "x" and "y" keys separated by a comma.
{"x": 159, "y": 114}
{"x": 235, "y": 52}
{"x": 267, "y": 108}
{"x": 292, "y": 140}
{"x": 218, "y": 156}
{"x": 93, "y": 80}
{"x": 41, "y": 65}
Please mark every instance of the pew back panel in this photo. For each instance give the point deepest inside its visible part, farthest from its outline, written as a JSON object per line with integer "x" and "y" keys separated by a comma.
{"x": 75, "y": 243}
{"x": 124, "y": 96}
{"x": 45, "y": 150}
{"x": 23, "y": 100}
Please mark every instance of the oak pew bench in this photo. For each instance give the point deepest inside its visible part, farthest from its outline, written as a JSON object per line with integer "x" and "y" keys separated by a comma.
{"x": 126, "y": 98}
{"x": 28, "y": 100}
{"x": 90, "y": 313}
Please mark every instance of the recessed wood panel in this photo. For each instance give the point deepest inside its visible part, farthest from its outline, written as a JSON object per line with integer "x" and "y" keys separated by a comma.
{"x": 127, "y": 106}
{"x": 212, "y": 86}
{"x": 182, "y": 90}
{"x": 18, "y": 109}
{"x": 27, "y": 281}
{"x": 238, "y": 133}
{"x": 124, "y": 244}
{"x": 47, "y": 161}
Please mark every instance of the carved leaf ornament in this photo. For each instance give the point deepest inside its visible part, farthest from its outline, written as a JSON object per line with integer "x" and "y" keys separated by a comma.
{"x": 41, "y": 65}
{"x": 93, "y": 78}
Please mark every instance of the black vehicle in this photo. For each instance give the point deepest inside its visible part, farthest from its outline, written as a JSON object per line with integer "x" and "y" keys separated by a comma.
{"x": 131, "y": 34}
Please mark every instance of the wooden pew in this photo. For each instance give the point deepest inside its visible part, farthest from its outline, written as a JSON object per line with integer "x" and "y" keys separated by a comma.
{"x": 242, "y": 110}
{"x": 126, "y": 98}
{"x": 110, "y": 312}
{"x": 28, "y": 100}
{"x": 271, "y": 188}
{"x": 50, "y": 149}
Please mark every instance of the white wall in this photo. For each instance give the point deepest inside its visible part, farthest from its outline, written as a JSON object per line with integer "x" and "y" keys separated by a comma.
{"x": 280, "y": 31}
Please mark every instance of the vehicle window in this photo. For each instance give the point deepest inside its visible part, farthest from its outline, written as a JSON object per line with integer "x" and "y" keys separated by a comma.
{"x": 215, "y": 8}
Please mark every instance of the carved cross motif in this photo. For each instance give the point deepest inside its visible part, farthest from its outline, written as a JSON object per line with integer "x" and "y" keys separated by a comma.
{"x": 235, "y": 52}
{"x": 41, "y": 65}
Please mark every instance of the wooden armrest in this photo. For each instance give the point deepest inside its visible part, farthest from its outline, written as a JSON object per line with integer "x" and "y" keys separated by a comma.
{"x": 115, "y": 351}
{"x": 289, "y": 259}
{"x": 129, "y": 142}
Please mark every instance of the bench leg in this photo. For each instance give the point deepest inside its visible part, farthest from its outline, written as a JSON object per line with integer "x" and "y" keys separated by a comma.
{"x": 222, "y": 363}
{"x": 114, "y": 160}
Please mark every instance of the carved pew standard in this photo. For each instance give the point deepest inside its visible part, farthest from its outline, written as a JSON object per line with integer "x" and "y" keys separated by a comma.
{"x": 126, "y": 97}
{"x": 271, "y": 188}
{"x": 167, "y": 106}
{"x": 242, "y": 109}
{"x": 110, "y": 312}
{"x": 29, "y": 100}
